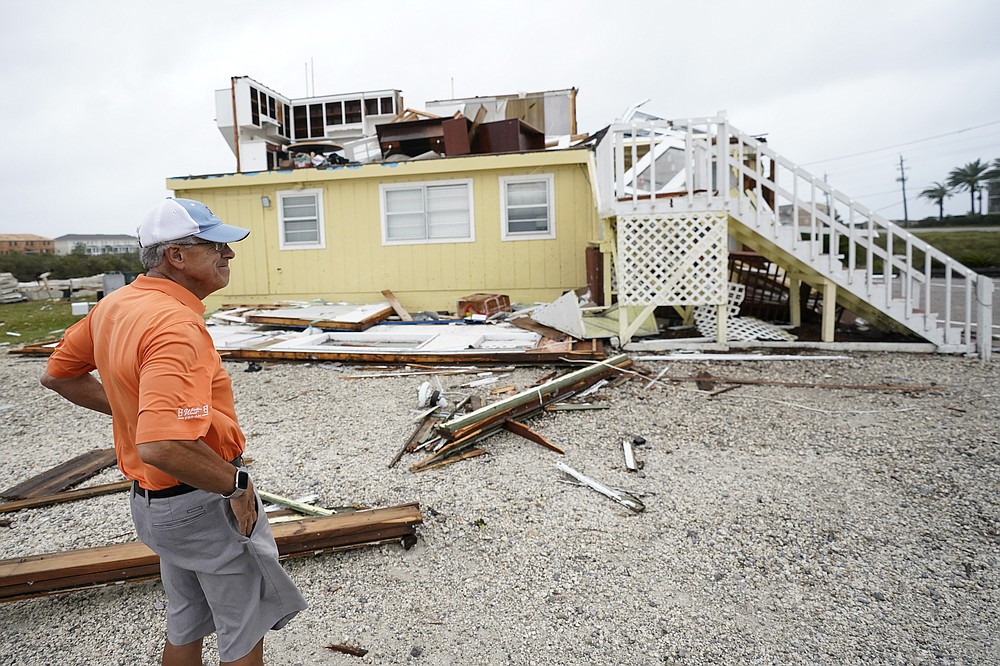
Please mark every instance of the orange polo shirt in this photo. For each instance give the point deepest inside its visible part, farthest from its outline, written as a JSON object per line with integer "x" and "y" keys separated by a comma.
{"x": 160, "y": 370}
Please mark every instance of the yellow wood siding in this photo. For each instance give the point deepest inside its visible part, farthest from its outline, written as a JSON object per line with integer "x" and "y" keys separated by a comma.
{"x": 355, "y": 266}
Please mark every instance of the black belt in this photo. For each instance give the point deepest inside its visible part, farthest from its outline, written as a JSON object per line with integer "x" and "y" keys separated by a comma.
{"x": 174, "y": 491}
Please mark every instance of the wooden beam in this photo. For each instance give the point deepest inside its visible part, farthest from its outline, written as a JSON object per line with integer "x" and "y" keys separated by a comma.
{"x": 63, "y": 476}
{"x": 768, "y": 382}
{"x": 539, "y": 396}
{"x": 66, "y": 496}
{"x": 519, "y": 428}
{"x": 396, "y": 306}
{"x": 40, "y": 575}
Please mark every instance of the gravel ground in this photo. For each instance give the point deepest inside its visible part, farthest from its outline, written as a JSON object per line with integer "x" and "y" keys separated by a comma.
{"x": 782, "y": 525}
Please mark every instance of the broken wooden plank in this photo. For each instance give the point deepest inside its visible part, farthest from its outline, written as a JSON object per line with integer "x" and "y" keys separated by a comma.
{"x": 767, "y": 382}
{"x": 330, "y": 317}
{"x": 463, "y": 431}
{"x": 493, "y": 415}
{"x": 301, "y": 507}
{"x": 418, "y": 436}
{"x": 521, "y": 429}
{"x": 63, "y": 476}
{"x": 449, "y": 449}
{"x": 625, "y": 499}
{"x": 348, "y": 649}
{"x": 470, "y": 453}
{"x": 65, "y": 496}
{"x": 573, "y": 406}
{"x": 629, "y": 452}
{"x": 529, "y": 324}
{"x": 39, "y": 575}
{"x": 396, "y": 305}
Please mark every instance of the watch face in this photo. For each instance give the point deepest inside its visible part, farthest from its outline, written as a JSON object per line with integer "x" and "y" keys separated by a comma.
{"x": 242, "y": 480}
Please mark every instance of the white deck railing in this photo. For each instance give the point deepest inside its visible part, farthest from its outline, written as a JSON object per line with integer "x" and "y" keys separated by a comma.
{"x": 642, "y": 168}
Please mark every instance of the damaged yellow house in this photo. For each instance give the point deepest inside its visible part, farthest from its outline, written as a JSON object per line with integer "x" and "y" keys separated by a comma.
{"x": 429, "y": 230}
{"x": 349, "y": 195}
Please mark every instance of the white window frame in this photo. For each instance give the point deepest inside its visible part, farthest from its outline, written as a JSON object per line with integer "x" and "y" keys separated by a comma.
{"x": 424, "y": 185}
{"x": 312, "y": 245}
{"x": 505, "y": 232}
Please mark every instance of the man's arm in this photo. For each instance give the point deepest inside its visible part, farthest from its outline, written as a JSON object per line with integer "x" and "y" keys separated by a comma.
{"x": 84, "y": 390}
{"x": 194, "y": 463}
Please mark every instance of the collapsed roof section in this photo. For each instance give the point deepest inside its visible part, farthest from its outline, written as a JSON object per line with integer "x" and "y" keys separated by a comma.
{"x": 268, "y": 131}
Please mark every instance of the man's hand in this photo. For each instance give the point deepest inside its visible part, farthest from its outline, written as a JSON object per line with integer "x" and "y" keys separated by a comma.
{"x": 245, "y": 509}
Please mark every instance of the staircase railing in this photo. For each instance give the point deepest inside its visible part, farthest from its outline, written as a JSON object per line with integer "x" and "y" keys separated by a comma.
{"x": 878, "y": 261}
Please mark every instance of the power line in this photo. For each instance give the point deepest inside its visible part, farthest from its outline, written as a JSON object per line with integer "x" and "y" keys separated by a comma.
{"x": 906, "y": 143}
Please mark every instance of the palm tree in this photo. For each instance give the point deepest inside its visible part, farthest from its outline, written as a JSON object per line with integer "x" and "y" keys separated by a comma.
{"x": 937, "y": 192}
{"x": 970, "y": 177}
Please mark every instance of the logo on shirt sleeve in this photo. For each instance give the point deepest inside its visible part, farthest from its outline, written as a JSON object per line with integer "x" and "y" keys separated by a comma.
{"x": 184, "y": 413}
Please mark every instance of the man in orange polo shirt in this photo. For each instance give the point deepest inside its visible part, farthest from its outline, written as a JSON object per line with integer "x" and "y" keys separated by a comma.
{"x": 177, "y": 437}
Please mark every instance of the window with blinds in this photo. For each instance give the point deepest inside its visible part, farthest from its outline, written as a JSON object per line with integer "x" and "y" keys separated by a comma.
{"x": 438, "y": 212}
{"x": 300, "y": 220}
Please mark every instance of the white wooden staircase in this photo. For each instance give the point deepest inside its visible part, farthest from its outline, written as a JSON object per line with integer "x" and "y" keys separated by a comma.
{"x": 675, "y": 194}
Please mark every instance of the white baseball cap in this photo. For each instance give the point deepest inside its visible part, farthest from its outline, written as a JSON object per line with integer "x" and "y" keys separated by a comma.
{"x": 176, "y": 218}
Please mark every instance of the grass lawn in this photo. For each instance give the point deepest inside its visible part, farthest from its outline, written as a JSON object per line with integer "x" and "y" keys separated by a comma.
{"x": 976, "y": 249}
{"x": 34, "y": 321}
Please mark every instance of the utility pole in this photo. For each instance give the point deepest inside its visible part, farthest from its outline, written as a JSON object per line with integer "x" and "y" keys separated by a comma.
{"x": 902, "y": 181}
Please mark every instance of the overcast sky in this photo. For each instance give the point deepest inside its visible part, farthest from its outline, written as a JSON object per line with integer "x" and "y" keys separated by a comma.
{"x": 105, "y": 100}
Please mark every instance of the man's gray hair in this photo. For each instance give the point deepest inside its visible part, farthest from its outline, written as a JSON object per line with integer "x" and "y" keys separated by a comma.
{"x": 152, "y": 255}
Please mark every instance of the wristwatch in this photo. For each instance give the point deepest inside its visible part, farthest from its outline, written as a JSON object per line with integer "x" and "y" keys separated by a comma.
{"x": 242, "y": 483}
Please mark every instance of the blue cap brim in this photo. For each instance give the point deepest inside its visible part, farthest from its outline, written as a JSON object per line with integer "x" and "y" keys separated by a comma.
{"x": 223, "y": 233}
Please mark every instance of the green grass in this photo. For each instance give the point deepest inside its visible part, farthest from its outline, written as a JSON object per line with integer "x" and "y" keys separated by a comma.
{"x": 35, "y": 321}
{"x": 976, "y": 249}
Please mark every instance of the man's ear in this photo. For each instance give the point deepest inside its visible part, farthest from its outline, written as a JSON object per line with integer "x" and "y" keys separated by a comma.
{"x": 174, "y": 256}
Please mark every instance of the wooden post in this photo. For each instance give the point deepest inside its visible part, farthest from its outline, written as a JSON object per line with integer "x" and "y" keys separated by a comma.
{"x": 722, "y": 323}
{"x": 794, "y": 302}
{"x": 829, "y": 310}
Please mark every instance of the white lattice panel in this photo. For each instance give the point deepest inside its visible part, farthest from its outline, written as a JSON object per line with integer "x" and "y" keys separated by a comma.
{"x": 672, "y": 259}
{"x": 737, "y": 328}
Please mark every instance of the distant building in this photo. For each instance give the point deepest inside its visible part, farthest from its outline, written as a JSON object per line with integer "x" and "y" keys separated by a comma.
{"x": 26, "y": 244}
{"x": 94, "y": 244}
{"x": 993, "y": 194}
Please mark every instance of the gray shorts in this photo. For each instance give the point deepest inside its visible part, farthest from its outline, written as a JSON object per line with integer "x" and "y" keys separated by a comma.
{"x": 216, "y": 579}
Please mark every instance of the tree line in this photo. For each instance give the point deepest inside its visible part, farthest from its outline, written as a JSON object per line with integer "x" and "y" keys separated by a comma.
{"x": 972, "y": 177}
{"x": 27, "y": 267}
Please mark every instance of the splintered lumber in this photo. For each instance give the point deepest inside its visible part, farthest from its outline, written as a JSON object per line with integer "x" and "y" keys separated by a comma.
{"x": 769, "y": 382}
{"x": 629, "y": 452}
{"x": 521, "y": 429}
{"x": 620, "y": 496}
{"x": 418, "y": 436}
{"x": 463, "y": 431}
{"x": 396, "y": 306}
{"x": 561, "y": 354}
{"x": 529, "y": 324}
{"x": 62, "y": 476}
{"x": 533, "y": 399}
{"x": 40, "y": 575}
{"x": 333, "y": 317}
{"x": 348, "y": 649}
{"x": 65, "y": 496}
{"x": 425, "y": 465}
{"x": 301, "y": 507}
